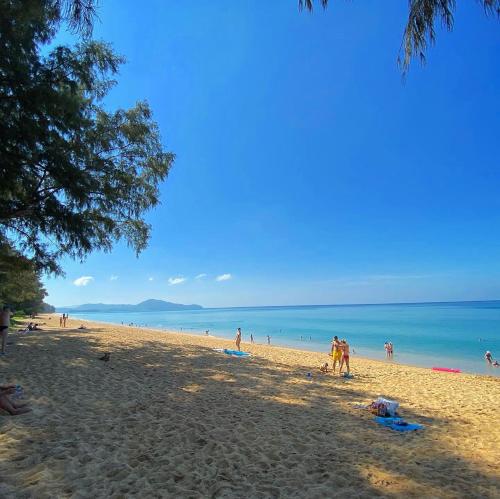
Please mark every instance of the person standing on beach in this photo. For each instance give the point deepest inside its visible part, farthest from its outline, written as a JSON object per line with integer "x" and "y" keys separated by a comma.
{"x": 251, "y": 338}
{"x": 4, "y": 326}
{"x": 268, "y": 340}
{"x": 238, "y": 338}
{"x": 336, "y": 352}
{"x": 345, "y": 356}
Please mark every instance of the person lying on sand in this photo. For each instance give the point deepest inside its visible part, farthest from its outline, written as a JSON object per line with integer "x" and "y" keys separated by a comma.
{"x": 13, "y": 408}
{"x": 82, "y": 327}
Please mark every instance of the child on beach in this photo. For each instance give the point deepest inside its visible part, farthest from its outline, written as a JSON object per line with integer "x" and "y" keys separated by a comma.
{"x": 324, "y": 368}
{"x": 345, "y": 356}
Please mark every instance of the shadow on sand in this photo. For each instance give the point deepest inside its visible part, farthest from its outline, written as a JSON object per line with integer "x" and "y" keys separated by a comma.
{"x": 160, "y": 420}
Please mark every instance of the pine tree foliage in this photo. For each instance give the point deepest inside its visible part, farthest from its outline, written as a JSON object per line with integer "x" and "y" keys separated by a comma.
{"x": 76, "y": 177}
{"x": 20, "y": 284}
{"x": 420, "y": 30}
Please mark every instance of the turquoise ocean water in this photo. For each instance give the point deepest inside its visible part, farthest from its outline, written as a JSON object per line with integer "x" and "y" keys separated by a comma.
{"x": 454, "y": 335}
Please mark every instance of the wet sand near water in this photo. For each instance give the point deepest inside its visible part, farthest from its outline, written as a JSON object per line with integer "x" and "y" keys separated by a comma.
{"x": 169, "y": 417}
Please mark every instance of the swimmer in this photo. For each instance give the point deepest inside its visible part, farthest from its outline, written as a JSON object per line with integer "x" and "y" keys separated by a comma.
{"x": 487, "y": 357}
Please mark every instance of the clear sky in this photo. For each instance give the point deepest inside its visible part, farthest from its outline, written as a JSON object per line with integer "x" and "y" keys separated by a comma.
{"x": 307, "y": 171}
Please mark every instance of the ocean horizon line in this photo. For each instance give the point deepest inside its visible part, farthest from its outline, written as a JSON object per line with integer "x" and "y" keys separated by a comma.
{"x": 446, "y": 302}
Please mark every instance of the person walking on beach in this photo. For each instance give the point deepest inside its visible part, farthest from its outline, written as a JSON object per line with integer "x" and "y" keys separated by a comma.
{"x": 61, "y": 321}
{"x": 251, "y": 338}
{"x": 65, "y": 318}
{"x": 4, "y": 326}
{"x": 345, "y": 356}
{"x": 336, "y": 352}
{"x": 238, "y": 338}
{"x": 268, "y": 340}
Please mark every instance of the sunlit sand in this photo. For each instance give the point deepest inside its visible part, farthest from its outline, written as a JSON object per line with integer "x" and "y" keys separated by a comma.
{"x": 169, "y": 417}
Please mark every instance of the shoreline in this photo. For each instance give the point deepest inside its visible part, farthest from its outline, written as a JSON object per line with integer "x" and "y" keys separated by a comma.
{"x": 167, "y": 416}
{"x": 222, "y": 338}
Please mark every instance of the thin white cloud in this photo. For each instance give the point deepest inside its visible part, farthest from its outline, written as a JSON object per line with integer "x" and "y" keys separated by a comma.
{"x": 83, "y": 281}
{"x": 113, "y": 278}
{"x": 176, "y": 280}
{"x": 201, "y": 276}
{"x": 223, "y": 277}
{"x": 151, "y": 278}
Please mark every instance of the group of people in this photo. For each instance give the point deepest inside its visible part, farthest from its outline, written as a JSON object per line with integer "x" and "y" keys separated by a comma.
{"x": 31, "y": 326}
{"x": 62, "y": 320}
{"x": 238, "y": 339}
{"x": 340, "y": 353}
{"x": 389, "y": 349}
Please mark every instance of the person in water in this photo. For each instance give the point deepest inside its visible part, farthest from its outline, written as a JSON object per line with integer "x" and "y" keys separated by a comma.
{"x": 238, "y": 338}
{"x": 390, "y": 350}
{"x": 345, "y": 356}
{"x": 268, "y": 340}
{"x": 336, "y": 352}
{"x": 488, "y": 357}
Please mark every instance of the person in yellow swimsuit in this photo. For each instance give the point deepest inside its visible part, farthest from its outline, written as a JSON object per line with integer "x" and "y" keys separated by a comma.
{"x": 336, "y": 352}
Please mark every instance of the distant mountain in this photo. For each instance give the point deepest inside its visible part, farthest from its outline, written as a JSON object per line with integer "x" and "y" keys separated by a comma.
{"x": 145, "y": 306}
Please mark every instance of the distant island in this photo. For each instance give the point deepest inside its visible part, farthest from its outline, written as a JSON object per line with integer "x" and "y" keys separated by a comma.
{"x": 145, "y": 306}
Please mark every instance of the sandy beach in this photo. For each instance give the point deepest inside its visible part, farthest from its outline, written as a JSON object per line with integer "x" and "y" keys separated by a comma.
{"x": 168, "y": 416}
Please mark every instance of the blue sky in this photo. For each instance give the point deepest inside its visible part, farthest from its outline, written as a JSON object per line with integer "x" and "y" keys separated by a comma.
{"x": 307, "y": 171}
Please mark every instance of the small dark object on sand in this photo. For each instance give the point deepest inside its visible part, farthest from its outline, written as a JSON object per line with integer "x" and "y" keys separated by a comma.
{"x": 105, "y": 357}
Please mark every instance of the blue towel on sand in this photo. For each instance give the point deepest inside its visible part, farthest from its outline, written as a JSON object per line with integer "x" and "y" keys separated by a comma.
{"x": 236, "y": 353}
{"x": 392, "y": 424}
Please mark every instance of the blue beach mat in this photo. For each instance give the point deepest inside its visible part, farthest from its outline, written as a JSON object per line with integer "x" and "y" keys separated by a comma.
{"x": 395, "y": 424}
{"x": 233, "y": 353}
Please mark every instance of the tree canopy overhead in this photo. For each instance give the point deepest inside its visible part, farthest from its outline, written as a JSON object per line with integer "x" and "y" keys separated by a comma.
{"x": 420, "y": 30}
{"x": 75, "y": 177}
